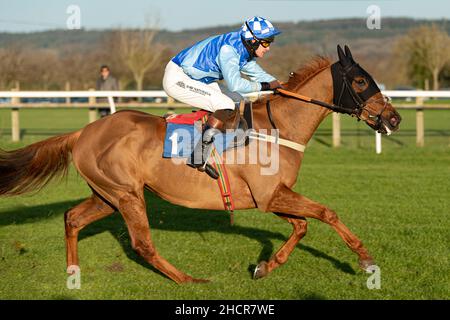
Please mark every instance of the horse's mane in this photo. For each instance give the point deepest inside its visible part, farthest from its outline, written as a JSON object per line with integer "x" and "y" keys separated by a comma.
{"x": 301, "y": 76}
{"x": 307, "y": 71}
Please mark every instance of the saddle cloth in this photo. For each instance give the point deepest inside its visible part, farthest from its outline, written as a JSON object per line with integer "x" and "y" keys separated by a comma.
{"x": 182, "y": 135}
{"x": 187, "y": 118}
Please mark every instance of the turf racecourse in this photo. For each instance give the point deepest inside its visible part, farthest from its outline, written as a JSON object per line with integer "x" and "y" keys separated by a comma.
{"x": 397, "y": 202}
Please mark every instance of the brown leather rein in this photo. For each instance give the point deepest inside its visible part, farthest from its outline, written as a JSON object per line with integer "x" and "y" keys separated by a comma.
{"x": 310, "y": 100}
{"x": 333, "y": 107}
{"x": 297, "y": 96}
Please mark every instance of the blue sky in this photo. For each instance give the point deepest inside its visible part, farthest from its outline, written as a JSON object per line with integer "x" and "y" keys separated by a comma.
{"x": 33, "y": 15}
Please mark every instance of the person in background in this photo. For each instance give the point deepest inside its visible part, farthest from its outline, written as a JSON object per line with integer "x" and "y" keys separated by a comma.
{"x": 106, "y": 82}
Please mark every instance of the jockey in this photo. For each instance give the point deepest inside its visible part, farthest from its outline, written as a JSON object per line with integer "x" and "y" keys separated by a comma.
{"x": 191, "y": 76}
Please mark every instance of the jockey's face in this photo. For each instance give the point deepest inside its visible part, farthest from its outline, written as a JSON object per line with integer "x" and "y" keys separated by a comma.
{"x": 261, "y": 51}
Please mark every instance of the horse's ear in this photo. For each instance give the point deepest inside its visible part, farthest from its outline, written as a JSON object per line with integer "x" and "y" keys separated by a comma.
{"x": 348, "y": 54}
{"x": 342, "y": 57}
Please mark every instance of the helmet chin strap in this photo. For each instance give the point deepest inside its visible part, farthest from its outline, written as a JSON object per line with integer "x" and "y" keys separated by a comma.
{"x": 250, "y": 48}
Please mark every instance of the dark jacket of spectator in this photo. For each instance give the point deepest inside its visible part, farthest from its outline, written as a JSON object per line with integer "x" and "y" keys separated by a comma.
{"x": 108, "y": 84}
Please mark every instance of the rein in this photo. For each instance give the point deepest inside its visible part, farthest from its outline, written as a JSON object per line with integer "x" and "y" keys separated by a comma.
{"x": 356, "y": 112}
{"x": 284, "y": 142}
{"x": 360, "y": 104}
{"x": 297, "y": 96}
{"x": 358, "y": 109}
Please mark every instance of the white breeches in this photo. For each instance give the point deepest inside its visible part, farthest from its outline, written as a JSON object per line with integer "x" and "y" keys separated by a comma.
{"x": 181, "y": 87}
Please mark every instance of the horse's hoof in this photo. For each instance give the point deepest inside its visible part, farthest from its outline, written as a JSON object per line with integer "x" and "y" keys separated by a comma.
{"x": 261, "y": 270}
{"x": 366, "y": 264}
{"x": 73, "y": 269}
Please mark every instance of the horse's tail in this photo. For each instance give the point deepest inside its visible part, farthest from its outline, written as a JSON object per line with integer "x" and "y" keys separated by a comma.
{"x": 31, "y": 168}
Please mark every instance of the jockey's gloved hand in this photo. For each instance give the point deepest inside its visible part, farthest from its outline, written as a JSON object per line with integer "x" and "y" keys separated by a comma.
{"x": 275, "y": 84}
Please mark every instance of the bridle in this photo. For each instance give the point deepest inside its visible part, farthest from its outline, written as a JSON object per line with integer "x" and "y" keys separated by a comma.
{"x": 359, "y": 104}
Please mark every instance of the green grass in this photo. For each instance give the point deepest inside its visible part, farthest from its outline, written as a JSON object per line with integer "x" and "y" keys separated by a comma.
{"x": 398, "y": 203}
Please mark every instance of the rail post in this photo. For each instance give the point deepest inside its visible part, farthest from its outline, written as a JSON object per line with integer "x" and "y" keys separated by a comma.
{"x": 336, "y": 129}
{"x": 67, "y": 88}
{"x": 420, "y": 126}
{"x": 377, "y": 142}
{"x": 15, "y": 123}
{"x": 170, "y": 100}
{"x": 92, "y": 109}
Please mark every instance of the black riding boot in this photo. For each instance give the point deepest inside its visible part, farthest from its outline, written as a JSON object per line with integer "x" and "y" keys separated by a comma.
{"x": 215, "y": 124}
{"x": 200, "y": 155}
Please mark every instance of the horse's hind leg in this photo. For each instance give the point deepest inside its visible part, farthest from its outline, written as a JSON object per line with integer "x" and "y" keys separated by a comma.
{"x": 281, "y": 256}
{"x": 133, "y": 211}
{"x": 76, "y": 218}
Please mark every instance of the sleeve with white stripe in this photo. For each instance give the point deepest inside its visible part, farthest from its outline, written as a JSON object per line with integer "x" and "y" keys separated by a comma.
{"x": 228, "y": 60}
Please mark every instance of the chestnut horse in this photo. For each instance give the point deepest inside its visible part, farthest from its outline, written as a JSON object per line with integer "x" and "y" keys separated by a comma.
{"x": 121, "y": 154}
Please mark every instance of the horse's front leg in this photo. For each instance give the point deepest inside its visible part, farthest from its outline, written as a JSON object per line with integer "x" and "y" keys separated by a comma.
{"x": 287, "y": 201}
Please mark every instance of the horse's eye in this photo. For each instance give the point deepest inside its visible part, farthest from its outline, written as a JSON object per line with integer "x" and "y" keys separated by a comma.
{"x": 361, "y": 82}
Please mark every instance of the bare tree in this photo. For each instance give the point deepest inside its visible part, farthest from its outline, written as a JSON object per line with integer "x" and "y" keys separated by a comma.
{"x": 41, "y": 70}
{"x": 428, "y": 48}
{"x": 11, "y": 65}
{"x": 138, "y": 50}
{"x": 110, "y": 55}
{"x": 78, "y": 67}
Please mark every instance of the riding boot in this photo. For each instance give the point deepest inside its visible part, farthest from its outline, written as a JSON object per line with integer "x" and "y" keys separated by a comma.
{"x": 214, "y": 125}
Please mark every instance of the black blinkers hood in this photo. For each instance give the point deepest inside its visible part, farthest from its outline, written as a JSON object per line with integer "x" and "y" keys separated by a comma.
{"x": 344, "y": 72}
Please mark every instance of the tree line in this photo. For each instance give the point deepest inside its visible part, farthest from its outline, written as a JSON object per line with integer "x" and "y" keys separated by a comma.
{"x": 420, "y": 58}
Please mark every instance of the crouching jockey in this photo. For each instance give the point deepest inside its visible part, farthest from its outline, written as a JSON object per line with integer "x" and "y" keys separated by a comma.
{"x": 191, "y": 76}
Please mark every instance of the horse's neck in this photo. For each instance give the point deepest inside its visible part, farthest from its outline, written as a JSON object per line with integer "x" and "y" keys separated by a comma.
{"x": 297, "y": 120}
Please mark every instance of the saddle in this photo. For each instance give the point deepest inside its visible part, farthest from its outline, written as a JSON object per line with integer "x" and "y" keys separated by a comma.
{"x": 240, "y": 123}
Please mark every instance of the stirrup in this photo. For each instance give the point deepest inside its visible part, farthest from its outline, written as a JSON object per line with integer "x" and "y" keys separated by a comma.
{"x": 205, "y": 167}
{"x": 210, "y": 171}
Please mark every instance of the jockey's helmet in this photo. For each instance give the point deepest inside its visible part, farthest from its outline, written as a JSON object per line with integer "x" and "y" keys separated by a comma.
{"x": 259, "y": 29}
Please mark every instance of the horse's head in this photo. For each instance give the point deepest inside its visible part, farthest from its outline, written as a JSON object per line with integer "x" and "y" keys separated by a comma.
{"x": 357, "y": 94}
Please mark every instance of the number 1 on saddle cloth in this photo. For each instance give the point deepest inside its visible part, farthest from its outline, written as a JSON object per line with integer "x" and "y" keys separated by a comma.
{"x": 181, "y": 139}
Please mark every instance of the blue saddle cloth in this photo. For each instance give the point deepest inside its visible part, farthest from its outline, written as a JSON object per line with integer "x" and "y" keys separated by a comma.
{"x": 181, "y": 140}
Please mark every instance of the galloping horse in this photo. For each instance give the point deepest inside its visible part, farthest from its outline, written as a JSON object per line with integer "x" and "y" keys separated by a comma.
{"x": 120, "y": 155}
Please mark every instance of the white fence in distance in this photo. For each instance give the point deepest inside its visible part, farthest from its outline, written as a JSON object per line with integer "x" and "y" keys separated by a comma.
{"x": 15, "y": 105}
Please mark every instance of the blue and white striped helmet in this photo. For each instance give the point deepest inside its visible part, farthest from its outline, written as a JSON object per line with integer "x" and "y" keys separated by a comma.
{"x": 261, "y": 28}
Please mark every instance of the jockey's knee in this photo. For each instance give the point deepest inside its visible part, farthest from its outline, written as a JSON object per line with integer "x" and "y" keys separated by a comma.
{"x": 224, "y": 114}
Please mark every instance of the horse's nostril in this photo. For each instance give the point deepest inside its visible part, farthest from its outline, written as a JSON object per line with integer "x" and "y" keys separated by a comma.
{"x": 394, "y": 121}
